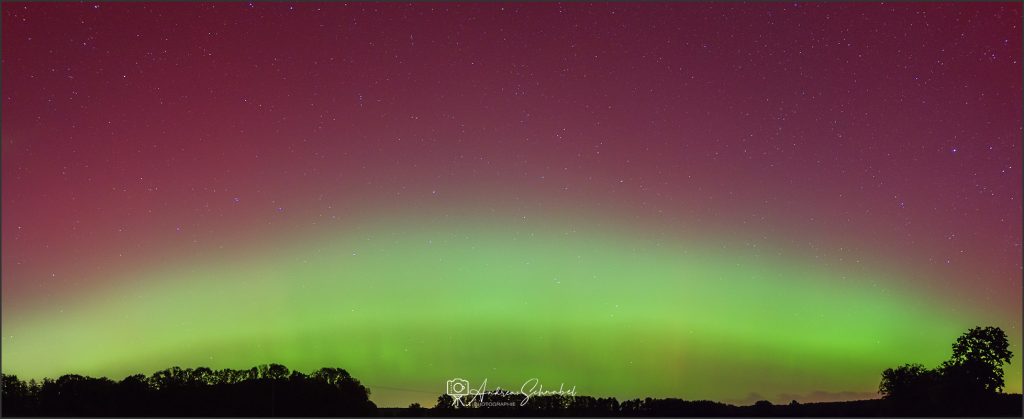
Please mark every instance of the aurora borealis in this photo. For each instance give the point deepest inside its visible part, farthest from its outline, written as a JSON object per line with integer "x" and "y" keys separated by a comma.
{"x": 707, "y": 201}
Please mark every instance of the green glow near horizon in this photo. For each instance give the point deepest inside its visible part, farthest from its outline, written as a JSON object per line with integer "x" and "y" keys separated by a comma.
{"x": 410, "y": 308}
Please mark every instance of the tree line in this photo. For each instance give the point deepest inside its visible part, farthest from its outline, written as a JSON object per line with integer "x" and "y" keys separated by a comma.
{"x": 264, "y": 390}
{"x": 970, "y": 383}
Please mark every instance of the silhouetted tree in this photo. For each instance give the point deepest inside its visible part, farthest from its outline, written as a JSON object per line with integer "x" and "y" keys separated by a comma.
{"x": 18, "y": 396}
{"x": 445, "y": 404}
{"x": 416, "y": 410}
{"x": 907, "y": 381}
{"x": 75, "y": 395}
{"x": 764, "y": 408}
{"x": 273, "y": 371}
{"x": 967, "y": 383}
{"x": 978, "y": 358}
{"x": 168, "y": 378}
{"x": 333, "y": 376}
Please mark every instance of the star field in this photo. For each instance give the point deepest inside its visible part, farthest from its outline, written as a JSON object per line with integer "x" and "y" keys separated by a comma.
{"x": 654, "y": 189}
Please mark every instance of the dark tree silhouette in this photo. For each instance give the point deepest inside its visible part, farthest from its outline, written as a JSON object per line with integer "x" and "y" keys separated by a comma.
{"x": 415, "y": 410}
{"x": 978, "y": 358}
{"x": 968, "y": 383}
{"x": 264, "y": 390}
{"x": 907, "y": 381}
{"x": 18, "y": 396}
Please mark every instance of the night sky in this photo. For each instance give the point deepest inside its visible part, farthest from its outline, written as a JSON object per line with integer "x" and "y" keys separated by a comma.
{"x": 706, "y": 201}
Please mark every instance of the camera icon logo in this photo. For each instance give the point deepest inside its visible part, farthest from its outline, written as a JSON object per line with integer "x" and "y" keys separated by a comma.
{"x": 457, "y": 388}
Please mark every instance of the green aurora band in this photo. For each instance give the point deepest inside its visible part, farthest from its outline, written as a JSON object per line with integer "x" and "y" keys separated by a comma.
{"x": 406, "y": 307}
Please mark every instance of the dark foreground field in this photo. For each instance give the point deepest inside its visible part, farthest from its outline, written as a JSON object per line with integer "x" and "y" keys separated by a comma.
{"x": 1000, "y": 405}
